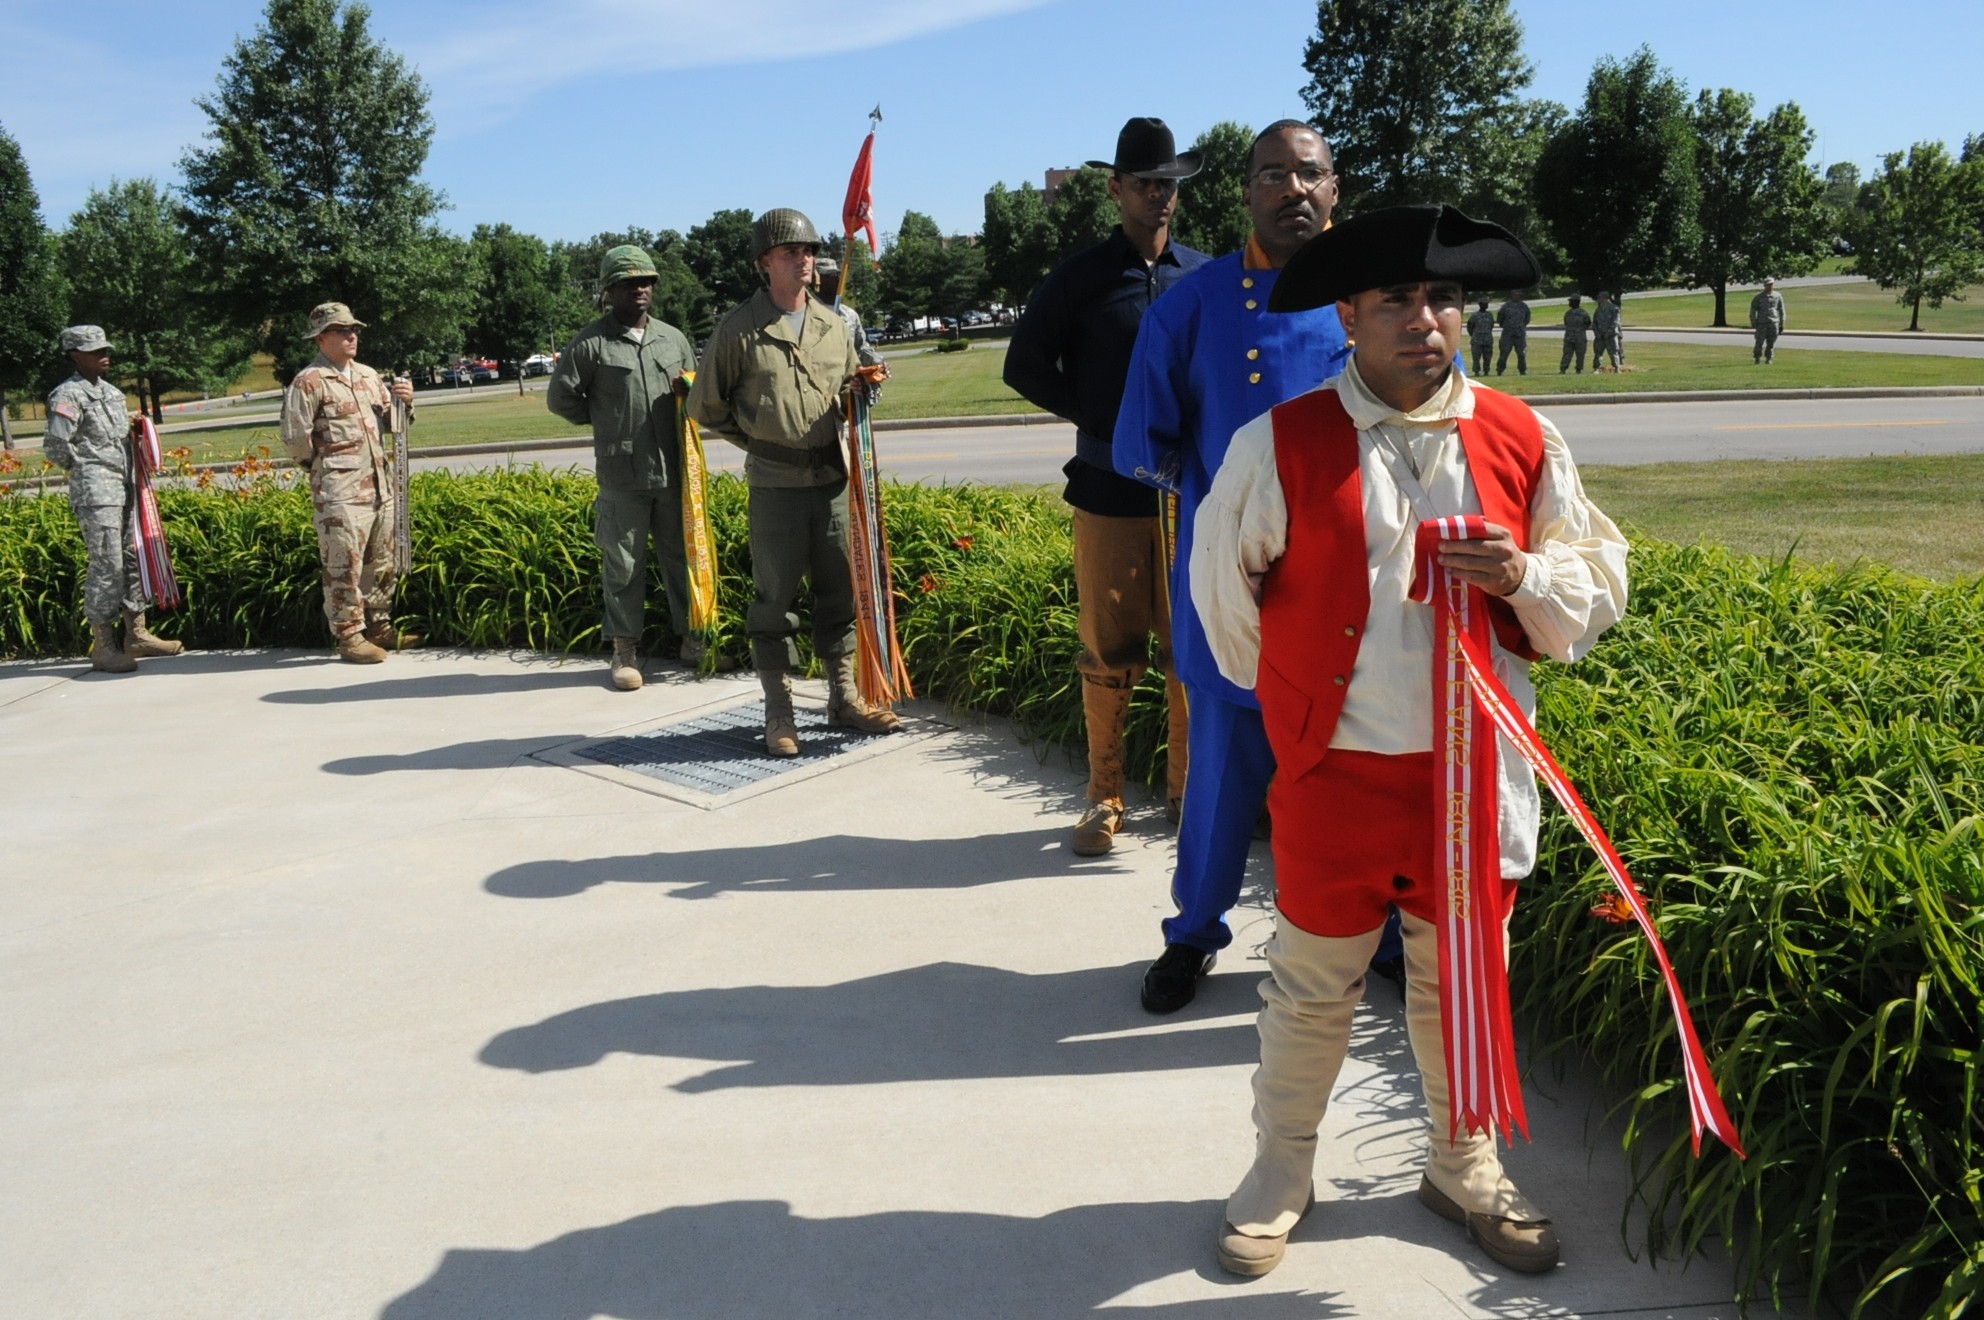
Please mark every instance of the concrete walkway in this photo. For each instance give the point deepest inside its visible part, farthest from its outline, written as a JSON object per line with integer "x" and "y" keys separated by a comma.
{"x": 341, "y": 991}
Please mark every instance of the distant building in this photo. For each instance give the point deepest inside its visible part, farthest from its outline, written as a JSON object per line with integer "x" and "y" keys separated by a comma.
{"x": 1055, "y": 178}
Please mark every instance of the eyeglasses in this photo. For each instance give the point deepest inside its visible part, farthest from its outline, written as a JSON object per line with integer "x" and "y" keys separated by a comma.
{"x": 1310, "y": 177}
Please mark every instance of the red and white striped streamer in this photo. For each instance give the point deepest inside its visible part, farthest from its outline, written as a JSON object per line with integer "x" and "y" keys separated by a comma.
{"x": 1469, "y": 651}
{"x": 147, "y": 527}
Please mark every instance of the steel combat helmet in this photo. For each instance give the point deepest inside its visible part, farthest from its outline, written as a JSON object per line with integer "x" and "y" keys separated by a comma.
{"x": 626, "y": 262}
{"x": 779, "y": 226}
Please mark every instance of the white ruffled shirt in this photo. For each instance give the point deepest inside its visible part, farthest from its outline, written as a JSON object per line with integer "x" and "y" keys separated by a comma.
{"x": 1573, "y": 587}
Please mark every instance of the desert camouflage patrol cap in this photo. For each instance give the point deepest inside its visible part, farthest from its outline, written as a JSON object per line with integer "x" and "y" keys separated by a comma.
{"x": 325, "y": 315}
{"x": 83, "y": 339}
{"x": 626, "y": 262}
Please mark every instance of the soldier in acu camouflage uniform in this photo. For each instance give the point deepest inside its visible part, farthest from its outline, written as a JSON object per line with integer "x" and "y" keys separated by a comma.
{"x": 1481, "y": 337}
{"x": 89, "y": 437}
{"x": 622, "y": 376}
{"x": 1605, "y": 333}
{"x": 771, "y": 383}
{"x": 1514, "y": 320}
{"x": 332, "y": 416}
{"x": 1576, "y": 321}
{"x": 1767, "y": 319}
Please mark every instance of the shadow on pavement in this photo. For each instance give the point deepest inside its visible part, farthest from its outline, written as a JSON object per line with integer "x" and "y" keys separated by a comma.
{"x": 832, "y": 864}
{"x": 483, "y": 754}
{"x": 422, "y": 686}
{"x": 939, "y": 1021}
{"x": 758, "y": 1259}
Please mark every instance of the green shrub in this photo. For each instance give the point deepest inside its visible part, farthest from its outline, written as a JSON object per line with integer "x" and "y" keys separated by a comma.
{"x": 1791, "y": 761}
{"x": 953, "y": 345}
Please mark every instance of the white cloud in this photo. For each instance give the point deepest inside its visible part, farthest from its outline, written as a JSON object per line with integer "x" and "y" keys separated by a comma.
{"x": 493, "y": 56}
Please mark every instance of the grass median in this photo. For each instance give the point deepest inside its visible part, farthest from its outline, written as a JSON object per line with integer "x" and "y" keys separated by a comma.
{"x": 1864, "y": 306}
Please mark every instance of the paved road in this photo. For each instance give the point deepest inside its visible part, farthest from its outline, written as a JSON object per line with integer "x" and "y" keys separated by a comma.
{"x": 1599, "y": 433}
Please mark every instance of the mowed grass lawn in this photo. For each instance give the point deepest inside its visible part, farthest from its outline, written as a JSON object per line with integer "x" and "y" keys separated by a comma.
{"x": 1922, "y": 515}
{"x": 1723, "y": 363}
{"x": 1864, "y": 306}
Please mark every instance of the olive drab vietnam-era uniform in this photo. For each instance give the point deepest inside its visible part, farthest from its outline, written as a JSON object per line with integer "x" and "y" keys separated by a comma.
{"x": 331, "y": 425}
{"x": 622, "y": 382}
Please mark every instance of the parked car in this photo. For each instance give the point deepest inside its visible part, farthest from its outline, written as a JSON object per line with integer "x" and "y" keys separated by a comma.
{"x": 484, "y": 369}
{"x": 539, "y": 364}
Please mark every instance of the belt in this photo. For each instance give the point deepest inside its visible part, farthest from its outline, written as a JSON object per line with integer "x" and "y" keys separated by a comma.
{"x": 820, "y": 458}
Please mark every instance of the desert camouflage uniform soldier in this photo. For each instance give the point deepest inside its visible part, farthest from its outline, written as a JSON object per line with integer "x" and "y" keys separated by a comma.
{"x": 1767, "y": 319}
{"x": 332, "y": 417}
{"x": 1514, "y": 320}
{"x": 1481, "y": 337}
{"x": 1576, "y": 321}
{"x": 89, "y": 437}
{"x": 1605, "y": 336}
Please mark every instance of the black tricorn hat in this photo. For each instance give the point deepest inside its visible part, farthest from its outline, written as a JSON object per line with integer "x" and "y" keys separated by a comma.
{"x": 1146, "y": 147}
{"x": 1401, "y": 245}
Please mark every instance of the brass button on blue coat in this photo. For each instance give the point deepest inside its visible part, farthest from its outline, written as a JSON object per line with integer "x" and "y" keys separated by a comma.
{"x": 1251, "y": 304}
{"x": 1253, "y": 378}
{"x": 1247, "y": 283}
{"x": 1253, "y": 353}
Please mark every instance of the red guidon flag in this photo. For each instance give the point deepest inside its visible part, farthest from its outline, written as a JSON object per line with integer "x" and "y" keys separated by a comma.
{"x": 857, "y": 212}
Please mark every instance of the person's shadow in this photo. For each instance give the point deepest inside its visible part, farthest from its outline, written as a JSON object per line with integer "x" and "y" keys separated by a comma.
{"x": 835, "y": 863}
{"x": 940, "y": 1021}
{"x": 746, "y": 1260}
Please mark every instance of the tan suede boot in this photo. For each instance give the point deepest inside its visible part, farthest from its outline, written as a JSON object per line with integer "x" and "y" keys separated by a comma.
{"x": 626, "y": 665}
{"x": 845, "y": 706}
{"x": 381, "y": 633}
{"x": 105, "y": 655}
{"x": 354, "y": 649}
{"x": 781, "y": 726}
{"x": 1106, "y": 709}
{"x": 139, "y": 643}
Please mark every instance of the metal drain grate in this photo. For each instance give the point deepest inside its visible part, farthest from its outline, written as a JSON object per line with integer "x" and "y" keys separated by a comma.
{"x": 721, "y": 751}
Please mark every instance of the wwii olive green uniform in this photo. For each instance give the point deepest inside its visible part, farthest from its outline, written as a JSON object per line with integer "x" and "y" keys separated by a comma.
{"x": 1514, "y": 320}
{"x": 777, "y": 396}
{"x": 1605, "y": 337}
{"x": 1767, "y": 319}
{"x": 1481, "y": 338}
{"x": 89, "y": 436}
{"x": 332, "y": 420}
{"x": 1576, "y": 322}
{"x": 622, "y": 383}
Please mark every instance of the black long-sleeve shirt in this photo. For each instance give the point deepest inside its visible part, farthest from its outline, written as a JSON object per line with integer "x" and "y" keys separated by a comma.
{"x": 1070, "y": 354}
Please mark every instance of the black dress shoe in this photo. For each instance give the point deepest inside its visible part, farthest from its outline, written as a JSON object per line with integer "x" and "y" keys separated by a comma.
{"x": 1171, "y": 981}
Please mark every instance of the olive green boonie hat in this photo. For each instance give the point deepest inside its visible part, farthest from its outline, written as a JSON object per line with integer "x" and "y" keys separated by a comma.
{"x": 325, "y": 315}
{"x": 83, "y": 339}
{"x": 626, "y": 262}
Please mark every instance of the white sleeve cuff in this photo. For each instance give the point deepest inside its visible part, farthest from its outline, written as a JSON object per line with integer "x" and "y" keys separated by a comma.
{"x": 1535, "y": 581}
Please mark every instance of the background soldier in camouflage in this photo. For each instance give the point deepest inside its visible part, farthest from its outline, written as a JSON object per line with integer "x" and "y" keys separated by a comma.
{"x": 826, "y": 273}
{"x": 771, "y": 383}
{"x": 332, "y": 416}
{"x": 1605, "y": 336}
{"x": 1767, "y": 319}
{"x": 89, "y": 437}
{"x": 1576, "y": 321}
{"x": 1514, "y": 320}
{"x": 1481, "y": 337}
{"x": 622, "y": 376}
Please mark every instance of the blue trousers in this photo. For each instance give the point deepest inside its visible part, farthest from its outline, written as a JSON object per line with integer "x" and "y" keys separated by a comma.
{"x": 1225, "y": 790}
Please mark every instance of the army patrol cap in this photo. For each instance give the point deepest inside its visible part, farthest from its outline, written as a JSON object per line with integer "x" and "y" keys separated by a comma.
{"x": 626, "y": 262}
{"x": 325, "y": 315}
{"x": 83, "y": 339}
{"x": 779, "y": 226}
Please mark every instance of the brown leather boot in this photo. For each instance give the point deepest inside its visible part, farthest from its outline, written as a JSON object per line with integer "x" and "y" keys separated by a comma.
{"x": 845, "y": 705}
{"x": 106, "y": 655}
{"x": 781, "y": 726}
{"x": 139, "y": 643}
{"x": 1106, "y": 709}
{"x": 626, "y": 665}
{"x": 354, "y": 649}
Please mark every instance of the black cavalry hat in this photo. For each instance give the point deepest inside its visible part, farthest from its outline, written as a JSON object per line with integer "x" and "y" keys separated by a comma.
{"x": 1401, "y": 245}
{"x": 1146, "y": 147}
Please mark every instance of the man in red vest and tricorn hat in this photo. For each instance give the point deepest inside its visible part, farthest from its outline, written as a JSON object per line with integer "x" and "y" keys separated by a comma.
{"x": 1314, "y": 548}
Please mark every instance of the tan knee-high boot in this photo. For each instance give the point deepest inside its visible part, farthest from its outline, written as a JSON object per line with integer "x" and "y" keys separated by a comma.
{"x": 1307, "y": 1003}
{"x": 1106, "y": 710}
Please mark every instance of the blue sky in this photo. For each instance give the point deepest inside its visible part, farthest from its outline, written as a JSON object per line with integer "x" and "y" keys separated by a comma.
{"x": 567, "y": 117}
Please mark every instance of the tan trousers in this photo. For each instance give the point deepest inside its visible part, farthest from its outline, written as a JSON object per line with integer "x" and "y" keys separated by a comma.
{"x": 1311, "y": 991}
{"x": 1120, "y": 581}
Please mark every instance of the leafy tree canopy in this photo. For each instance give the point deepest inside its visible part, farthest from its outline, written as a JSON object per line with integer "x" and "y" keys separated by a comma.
{"x": 32, "y": 297}
{"x": 1916, "y": 230}
{"x": 1212, "y": 211}
{"x": 1761, "y": 208}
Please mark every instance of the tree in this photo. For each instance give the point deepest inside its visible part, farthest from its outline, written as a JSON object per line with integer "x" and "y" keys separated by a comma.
{"x": 31, "y": 294}
{"x": 913, "y": 270}
{"x": 1616, "y": 184}
{"x": 859, "y": 280}
{"x": 1018, "y": 242}
{"x": 719, "y": 253}
{"x": 307, "y": 189}
{"x": 1419, "y": 99}
{"x": 1761, "y": 208}
{"x": 1212, "y": 213}
{"x": 1083, "y": 214}
{"x": 517, "y": 295}
{"x": 130, "y": 270}
{"x": 1917, "y": 227}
